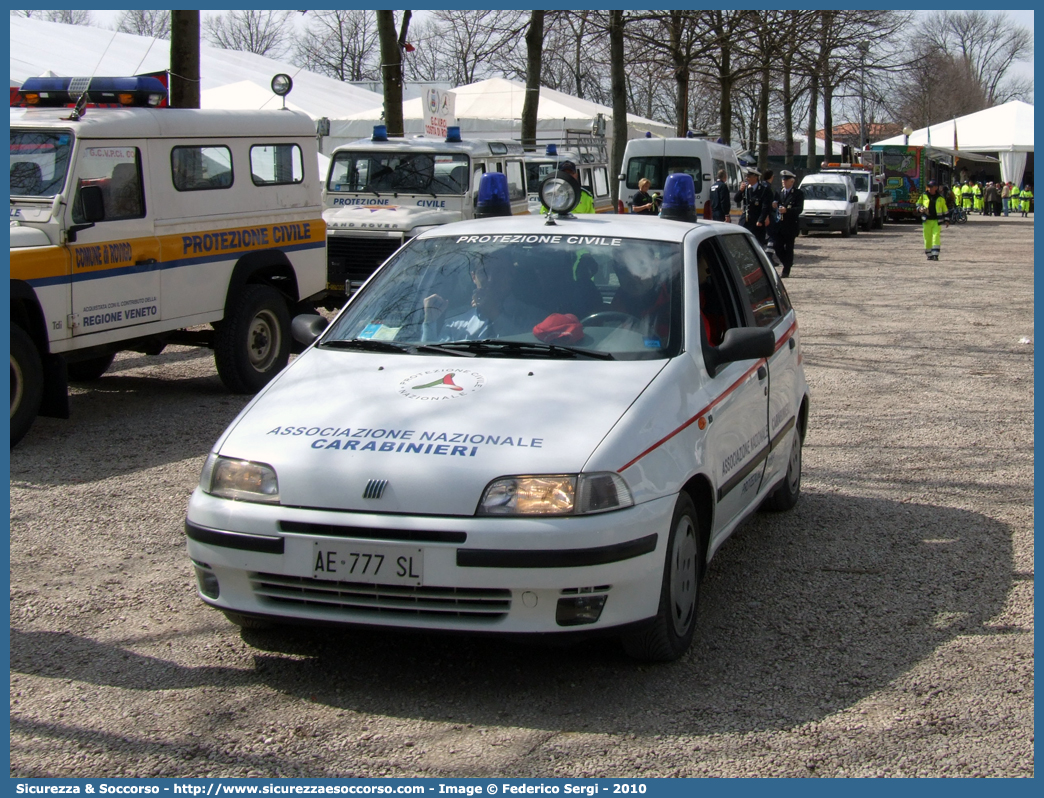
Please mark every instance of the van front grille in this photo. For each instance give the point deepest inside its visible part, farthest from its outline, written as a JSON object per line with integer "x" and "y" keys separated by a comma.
{"x": 356, "y": 258}
{"x": 477, "y": 604}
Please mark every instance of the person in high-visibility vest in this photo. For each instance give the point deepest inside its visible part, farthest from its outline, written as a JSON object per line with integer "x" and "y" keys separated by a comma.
{"x": 933, "y": 210}
{"x": 977, "y": 194}
{"x": 1026, "y": 197}
{"x": 1016, "y": 205}
{"x": 967, "y": 197}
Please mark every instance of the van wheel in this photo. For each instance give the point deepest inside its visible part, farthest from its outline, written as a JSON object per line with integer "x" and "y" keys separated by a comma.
{"x": 804, "y": 232}
{"x": 879, "y": 222}
{"x": 846, "y": 232}
{"x": 252, "y": 344}
{"x": 90, "y": 369}
{"x": 26, "y": 383}
{"x": 670, "y": 634}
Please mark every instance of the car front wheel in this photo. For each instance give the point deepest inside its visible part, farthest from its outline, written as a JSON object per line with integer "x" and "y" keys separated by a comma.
{"x": 670, "y": 634}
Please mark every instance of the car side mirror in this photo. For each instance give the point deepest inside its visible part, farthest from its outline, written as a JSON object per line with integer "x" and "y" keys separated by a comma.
{"x": 853, "y": 198}
{"x": 621, "y": 177}
{"x": 92, "y": 209}
{"x": 307, "y": 327}
{"x": 740, "y": 343}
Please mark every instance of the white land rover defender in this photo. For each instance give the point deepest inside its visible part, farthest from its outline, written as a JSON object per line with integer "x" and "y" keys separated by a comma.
{"x": 131, "y": 224}
{"x": 381, "y": 192}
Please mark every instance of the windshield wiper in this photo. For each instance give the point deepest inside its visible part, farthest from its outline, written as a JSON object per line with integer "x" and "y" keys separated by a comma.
{"x": 495, "y": 345}
{"x": 367, "y": 344}
{"x": 370, "y": 345}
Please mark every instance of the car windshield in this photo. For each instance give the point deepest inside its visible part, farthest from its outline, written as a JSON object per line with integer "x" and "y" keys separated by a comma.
{"x": 399, "y": 172}
{"x": 824, "y": 191}
{"x": 613, "y": 297}
{"x": 39, "y": 162}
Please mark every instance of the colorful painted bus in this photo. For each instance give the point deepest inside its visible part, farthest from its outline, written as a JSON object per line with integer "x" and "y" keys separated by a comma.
{"x": 907, "y": 170}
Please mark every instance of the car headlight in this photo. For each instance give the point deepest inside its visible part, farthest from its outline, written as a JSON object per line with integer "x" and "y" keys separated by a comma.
{"x": 555, "y": 494}
{"x": 840, "y": 213}
{"x": 239, "y": 480}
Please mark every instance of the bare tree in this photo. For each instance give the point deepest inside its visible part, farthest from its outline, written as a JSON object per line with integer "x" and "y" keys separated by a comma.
{"x": 391, "y": 67}
{"x": 680, "y": 40}
{"x": 616, "y": 31}
{"x": 67, "y": 17}
{"x": 534, "y": 49}
{"x": 267, "y": 33}
{"x": 342, "y": 44}
{"x": 988, "y": 44}
{"x": 184, "y": 59}
{"x": 468, "y": 42}
{"x": 145, "y": 23}
{"x": 27, "y": 14}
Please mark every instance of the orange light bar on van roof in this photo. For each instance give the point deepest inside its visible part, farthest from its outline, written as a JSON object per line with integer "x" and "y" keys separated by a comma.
{"x": 845, "y": 166}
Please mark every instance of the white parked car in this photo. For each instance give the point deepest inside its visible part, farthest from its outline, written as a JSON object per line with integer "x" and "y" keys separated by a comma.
{"x": 519, "y": 425}
{"x": 831, "y": 204}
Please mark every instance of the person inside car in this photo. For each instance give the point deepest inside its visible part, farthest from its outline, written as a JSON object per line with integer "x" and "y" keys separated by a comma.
{"x": 495, "y": 310}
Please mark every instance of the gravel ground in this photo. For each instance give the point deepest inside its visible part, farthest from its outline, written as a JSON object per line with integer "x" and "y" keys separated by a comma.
{"x": 884, "y": 627}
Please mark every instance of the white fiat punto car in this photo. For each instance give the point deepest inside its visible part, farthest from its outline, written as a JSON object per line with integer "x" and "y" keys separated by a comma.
{"x": 523, "y": 425}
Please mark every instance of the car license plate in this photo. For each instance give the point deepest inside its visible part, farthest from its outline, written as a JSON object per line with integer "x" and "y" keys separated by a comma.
{"x": 340, "y": 561}
{"x": 817, "y": 221}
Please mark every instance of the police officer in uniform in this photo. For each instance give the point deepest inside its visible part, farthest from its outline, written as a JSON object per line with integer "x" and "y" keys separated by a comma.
{"x": 791, "y": 203}
{"x": 752, "y": 198}
{"x": 719, "y": 201}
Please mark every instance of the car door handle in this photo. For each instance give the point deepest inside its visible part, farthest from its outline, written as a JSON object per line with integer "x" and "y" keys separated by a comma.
{"x": 145, "y": 262}
{"x": 762, "y": 372}
{"x": 793, "y": 343}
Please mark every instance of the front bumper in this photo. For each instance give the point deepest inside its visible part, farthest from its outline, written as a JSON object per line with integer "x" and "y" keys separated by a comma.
{"x": 828, "y": 223}
{"x": 506, "y": 575}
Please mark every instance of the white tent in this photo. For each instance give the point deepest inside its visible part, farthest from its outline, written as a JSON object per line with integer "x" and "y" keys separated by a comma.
{"x": 76, "y": 50}
{"x": 1004, "y": 130}
{"x": 493, "y": 109}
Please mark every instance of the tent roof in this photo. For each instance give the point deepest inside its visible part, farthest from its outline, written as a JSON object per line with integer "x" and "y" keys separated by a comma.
{"x": 502, "y": 99}
{"x": 1003, "y": 128}
{"x": 69, "y": 50}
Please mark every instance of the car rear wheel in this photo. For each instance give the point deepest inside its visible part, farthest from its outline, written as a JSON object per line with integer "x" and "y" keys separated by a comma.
{"x": 670, "y": 634}
{"x": 252, "y": 344}
{"x": 847, "y": 231}
{"x": 789, "y": 491}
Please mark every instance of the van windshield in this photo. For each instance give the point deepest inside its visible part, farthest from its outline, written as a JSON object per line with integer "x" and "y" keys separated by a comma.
{"x": 622, "y": 296}
{"x": 399, "y": 172}
{"x": 39, "y": 162}
{"x": 657, "y": 167}
{"x": 861, "y": 182}
{"x": 824, "y": 191}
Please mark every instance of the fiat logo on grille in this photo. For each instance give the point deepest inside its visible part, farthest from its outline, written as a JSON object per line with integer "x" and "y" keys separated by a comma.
{"x": 375, "y": 488}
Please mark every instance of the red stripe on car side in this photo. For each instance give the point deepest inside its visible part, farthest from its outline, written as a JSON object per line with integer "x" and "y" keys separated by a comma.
{"x": 783, "y": 339}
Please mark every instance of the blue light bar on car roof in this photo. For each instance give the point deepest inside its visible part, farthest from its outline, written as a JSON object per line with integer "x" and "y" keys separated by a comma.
{"x": 141, "y": 92}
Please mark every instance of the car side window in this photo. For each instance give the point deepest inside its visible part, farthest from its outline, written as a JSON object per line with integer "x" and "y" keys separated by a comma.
{"x": 718, "y": 312}
{"x": 755, "y": 285}
{"x": 276, "y": 164}
{"x": 201, "y": 168}
{"x": 117, "y": 171}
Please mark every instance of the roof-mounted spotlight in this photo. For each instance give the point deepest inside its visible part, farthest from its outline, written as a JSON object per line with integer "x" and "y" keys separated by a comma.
{"x": 560, "y": 193}
{"x": 281, "y": 86}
